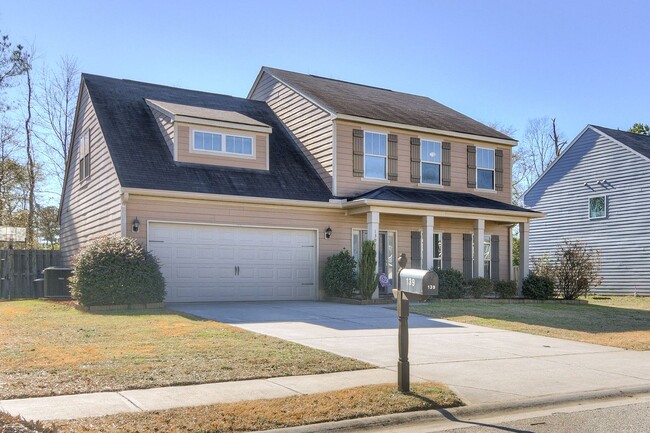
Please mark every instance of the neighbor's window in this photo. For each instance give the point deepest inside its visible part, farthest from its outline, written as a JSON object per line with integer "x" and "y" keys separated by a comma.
{"x": 598, "y": 207}
{"x": 374, "y": 155}
{"x": 485, "y": 168}
{"x": 214, "y": 142}
{"x": 431, "y": 158}
{"x": 84, "y": 155}
{"x": 437, "y": 251}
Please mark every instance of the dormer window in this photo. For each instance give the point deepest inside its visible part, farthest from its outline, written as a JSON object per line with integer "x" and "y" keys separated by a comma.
{"x": 204, "y": 141}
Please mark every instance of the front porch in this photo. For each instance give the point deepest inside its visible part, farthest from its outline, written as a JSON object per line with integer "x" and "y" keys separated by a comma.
{"x": 436, "y": 237}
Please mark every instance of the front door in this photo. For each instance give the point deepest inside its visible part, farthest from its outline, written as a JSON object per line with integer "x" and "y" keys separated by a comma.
{"x": 386, "y": 253}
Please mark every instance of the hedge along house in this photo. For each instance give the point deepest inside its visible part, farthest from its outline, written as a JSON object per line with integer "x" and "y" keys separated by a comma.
{"x": 597, "y": 192}
{"x": 244, "y": 199}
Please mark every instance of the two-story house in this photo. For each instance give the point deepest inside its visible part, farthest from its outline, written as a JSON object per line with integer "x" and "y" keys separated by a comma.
{"x": 596, "y": 192}
{"x": 244, "y": 199}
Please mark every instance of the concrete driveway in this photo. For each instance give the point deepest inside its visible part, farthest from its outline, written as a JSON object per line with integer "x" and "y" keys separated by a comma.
{"x": 482, "y": 365}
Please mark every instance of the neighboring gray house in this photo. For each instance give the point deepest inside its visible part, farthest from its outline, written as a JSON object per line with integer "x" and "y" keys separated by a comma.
{"x": 598, "y": 191}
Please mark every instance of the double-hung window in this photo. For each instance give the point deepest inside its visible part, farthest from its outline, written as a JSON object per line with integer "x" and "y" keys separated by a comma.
{"x": 437, "y": 251}
{"x": 487, "y": 256}
{"x": 431, "y": 160}
{"x": 484, "y": 168}
{"x": 374, "y": 155}
{"x": 222, "y": 143}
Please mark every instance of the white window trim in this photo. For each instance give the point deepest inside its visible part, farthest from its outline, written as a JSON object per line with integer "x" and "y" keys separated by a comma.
{"x": 589, "y": 207}
{"x": 84, "y": 151}
{"x": 487, "y": 238}
{"x": 385, "y": 178}
{"x": 434, "y": 249}
{"x": 486, "y": 169}
{"x": 439, "y": 164}
{"x": 223, "y": 152}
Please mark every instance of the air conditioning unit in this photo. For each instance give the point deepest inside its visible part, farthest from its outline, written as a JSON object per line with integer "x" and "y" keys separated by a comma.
{"x": 56, "y": 282}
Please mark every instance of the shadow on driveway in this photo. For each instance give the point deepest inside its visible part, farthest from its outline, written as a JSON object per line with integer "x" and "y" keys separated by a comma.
{"x": 341, "y": 317}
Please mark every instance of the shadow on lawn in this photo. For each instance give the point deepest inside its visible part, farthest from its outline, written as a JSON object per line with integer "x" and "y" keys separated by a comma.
{"x": 584, "y": 318}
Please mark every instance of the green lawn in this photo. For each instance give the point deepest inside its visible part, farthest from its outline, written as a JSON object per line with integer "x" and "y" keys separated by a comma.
{"x": 50, "y": 348}
{"x": 613, "y": 321}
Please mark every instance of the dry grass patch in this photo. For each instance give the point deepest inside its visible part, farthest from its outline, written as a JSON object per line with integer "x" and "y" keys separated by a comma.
{"x": 49, "y": 348}
{"x": 274, "y": 413}
{"x": 611, "y": 325}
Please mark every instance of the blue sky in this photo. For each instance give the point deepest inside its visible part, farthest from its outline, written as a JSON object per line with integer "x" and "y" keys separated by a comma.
{"x": 498, "y": 61}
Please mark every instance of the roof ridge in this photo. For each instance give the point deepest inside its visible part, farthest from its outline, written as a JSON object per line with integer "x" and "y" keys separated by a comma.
{"x": 166, "y": 86}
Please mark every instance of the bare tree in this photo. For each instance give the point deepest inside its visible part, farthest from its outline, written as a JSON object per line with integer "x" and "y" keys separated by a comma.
{"x": 542, "y": 143}
{"x": 519, "y": 168}
{"x": 56, "y": 103}
{"x": 29, "y": 150}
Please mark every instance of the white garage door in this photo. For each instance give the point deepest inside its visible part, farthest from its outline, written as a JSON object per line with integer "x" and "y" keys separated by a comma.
{"x": 215, "y": 263}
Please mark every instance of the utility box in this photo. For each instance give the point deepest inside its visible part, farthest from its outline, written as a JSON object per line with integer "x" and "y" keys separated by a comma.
{"x": 56, "y": 282}
{"x": 419, "y": 282}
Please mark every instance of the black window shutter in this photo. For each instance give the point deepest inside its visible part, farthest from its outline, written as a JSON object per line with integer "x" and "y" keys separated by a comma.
{"x": 446, "y": 251}
{"x": 357, "y": 152}
{"x": 392, "y": 157}
{"x": 446, "y": 163}
{"x": 87, "y": 135}
{"x": 416, "y": 250}
{"x": 467, "y": 256}
{"x": 415, "y": 160}
{"x": 471, "y": 166}
{"x": 498, "y": 170}
{"x": 494, "y": 240}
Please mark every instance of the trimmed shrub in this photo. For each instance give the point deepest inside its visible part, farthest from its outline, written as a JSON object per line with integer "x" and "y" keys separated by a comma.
{"x": 340, "y": 274}
{"x": 479, "y": 287}
{"x": 368, "y": 278}
{"x": 115, "y": 271}
{"x": 538, "y": 287}
{"x": 505, "y": 288}
{"x": 451, "y": 284}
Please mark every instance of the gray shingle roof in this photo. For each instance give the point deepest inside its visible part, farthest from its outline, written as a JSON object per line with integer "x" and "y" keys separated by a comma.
{"x": 637, "y": 142}
{"x": 440, "y": 198}
{"x": 142, "y": 159}
{"x": 342, "y": 97}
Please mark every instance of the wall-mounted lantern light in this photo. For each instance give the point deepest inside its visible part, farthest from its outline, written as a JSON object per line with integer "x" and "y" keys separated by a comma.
{"x": 136, "y": 225}
{"x": 328, "y": 232}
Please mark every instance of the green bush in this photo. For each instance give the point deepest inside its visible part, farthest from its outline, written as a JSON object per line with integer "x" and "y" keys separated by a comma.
{"x": 340, "y": 274}
{"x": 479, "y": 287}
{"x": 538, "y": 287}
{"x": 368, "y": 278}
{"x": 451, "y": 284}
{"x": 115, "y": 271}
{"x": 505, "y": 288}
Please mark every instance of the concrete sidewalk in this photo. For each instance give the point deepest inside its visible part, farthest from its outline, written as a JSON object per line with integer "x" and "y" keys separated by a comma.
{"x": 106, "y": 403}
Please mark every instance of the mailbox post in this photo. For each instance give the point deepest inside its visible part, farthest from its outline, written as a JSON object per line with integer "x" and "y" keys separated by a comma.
{"x": 417, "y": 285}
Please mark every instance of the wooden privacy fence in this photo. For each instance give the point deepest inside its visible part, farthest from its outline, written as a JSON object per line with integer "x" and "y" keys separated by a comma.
{"x": 19, "y": 269}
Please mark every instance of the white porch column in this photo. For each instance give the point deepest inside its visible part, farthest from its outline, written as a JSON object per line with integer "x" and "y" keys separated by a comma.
{"x": 511, "y": 268}
{"x": 524, "y": 253}
{"x": 373, "y": 235}
{"x": 427, "y": 242}
{"x": 479, "y": 235}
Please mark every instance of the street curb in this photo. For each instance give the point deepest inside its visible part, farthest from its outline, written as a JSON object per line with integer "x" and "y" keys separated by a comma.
{"x": 474, "y": 411}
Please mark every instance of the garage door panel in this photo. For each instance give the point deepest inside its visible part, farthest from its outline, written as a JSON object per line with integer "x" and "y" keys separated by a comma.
{"x": 199, "y": 262}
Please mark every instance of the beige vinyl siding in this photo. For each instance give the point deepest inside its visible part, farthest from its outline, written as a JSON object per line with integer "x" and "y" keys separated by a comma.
{"x": 348, "y": 185}
{"x": 309, "y": 124}
{"x": 91, "y": 208}
{"x": 186, "y": 154}
{"x": 214, "y": 212}
{"x": 166, "y": 127}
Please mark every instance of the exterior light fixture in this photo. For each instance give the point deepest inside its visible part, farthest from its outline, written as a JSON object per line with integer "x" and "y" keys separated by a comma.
{"x": 135, "y": 227}
{"x": 328, "y": 232}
